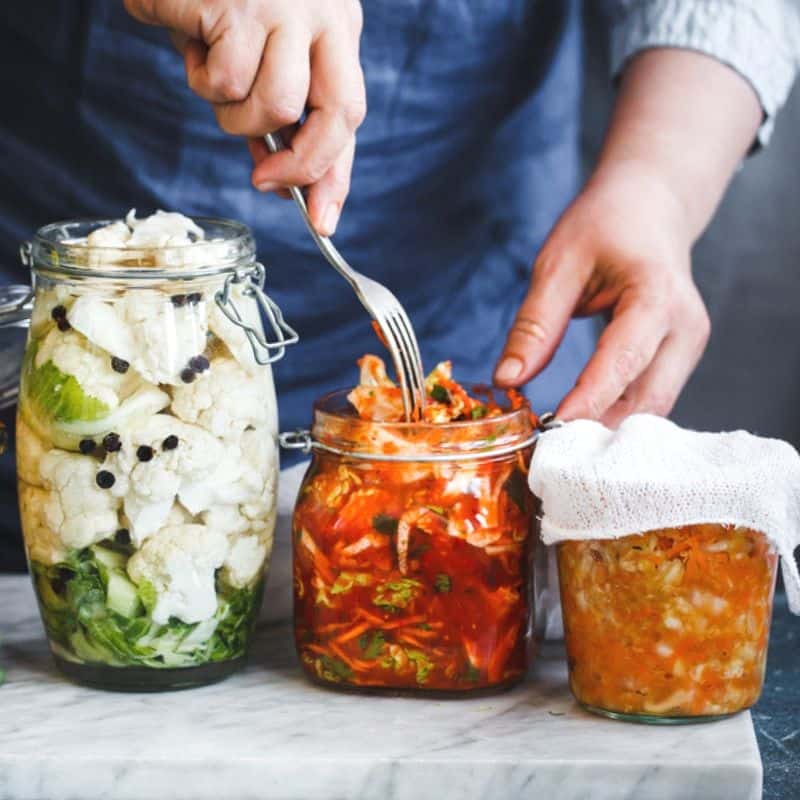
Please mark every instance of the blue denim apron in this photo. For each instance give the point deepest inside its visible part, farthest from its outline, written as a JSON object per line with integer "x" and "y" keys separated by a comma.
{"x": 468, "y": 154}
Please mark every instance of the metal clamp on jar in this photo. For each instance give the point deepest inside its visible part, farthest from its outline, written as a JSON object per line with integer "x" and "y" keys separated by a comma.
{"x": 147, "y": 447}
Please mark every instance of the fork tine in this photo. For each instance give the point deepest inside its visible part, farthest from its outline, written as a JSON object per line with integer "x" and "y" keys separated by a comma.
{"x": 407, "y": 330}
{"x": 414, "y": 377}
{"x": 411, "y": 370}
{"x": 397, "y": 352}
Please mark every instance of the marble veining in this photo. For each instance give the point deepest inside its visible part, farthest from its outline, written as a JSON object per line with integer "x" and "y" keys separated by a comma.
{"x": 268, "y": 733}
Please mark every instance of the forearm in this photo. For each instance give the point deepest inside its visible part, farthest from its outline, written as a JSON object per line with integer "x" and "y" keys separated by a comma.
{"x": 685, "y": 121}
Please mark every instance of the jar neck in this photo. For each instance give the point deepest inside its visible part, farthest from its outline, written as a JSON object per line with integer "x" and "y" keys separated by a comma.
{"x": 341, "y": 431}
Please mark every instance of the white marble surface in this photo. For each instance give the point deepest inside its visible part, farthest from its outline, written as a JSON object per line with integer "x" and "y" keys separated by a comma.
{"x": 267, "y": 734}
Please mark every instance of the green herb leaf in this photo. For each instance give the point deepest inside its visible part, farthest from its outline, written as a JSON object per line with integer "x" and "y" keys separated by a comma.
{"x": 345, "y": 581}
{"x": 336, "y": 668}
{"x": 479, "y": 412}
{"x": 440, "y": 394}
{"x": 397, "y": 594}
{"x": 374, "y": 647}
{"x": 423, "y": 664}
{"x": 383, "y": 523}
{"x": 443, "y": 583}
{"x": 472, "y": 674}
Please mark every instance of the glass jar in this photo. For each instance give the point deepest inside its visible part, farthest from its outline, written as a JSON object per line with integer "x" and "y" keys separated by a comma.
{"x": 146, "y": 453}
{"x": 668, "y": 626}
{"x": 412, "y": 552}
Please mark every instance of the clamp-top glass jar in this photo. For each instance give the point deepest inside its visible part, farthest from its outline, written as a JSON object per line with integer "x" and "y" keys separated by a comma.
{"x": 412, "y": 552}
{"x": 146, "y": 447}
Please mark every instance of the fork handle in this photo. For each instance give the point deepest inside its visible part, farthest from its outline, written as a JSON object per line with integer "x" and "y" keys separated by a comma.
{"x": 325, "y": 245}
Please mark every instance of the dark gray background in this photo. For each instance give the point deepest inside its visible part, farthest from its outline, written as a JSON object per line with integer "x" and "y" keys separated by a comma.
{"x": 748, "y": 268}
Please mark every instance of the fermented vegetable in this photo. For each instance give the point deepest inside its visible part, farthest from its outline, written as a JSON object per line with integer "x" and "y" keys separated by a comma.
{"x": 672, "y": 623}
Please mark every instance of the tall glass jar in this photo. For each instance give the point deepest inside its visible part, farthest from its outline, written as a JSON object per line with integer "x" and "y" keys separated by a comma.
{"x": 412, "y": 552}
{"x": 669, "y": 626}
{"x": 146, "y": 453}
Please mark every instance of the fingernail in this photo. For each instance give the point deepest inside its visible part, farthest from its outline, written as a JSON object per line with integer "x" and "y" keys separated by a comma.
{"x": 330, "y": 219}
{"x": 267, "y": 186}
{"x": 509, "y": 370}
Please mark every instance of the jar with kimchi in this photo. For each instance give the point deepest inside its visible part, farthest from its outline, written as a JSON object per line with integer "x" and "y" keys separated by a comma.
{"x": 413, "y": 541}
{"x": 668, "y": 626}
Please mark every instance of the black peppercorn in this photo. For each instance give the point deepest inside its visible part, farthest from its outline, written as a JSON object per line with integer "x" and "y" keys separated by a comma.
{"x": 122, "y": 536}
{"x": 63, "y": 325}
{"x": 105, "y": 479}
{"x": 144, "y": 452}
{"x": 199, "y": 363}
{"x": 178, "y": 300}
{"x": 119, "y": 365}
{"x": 58, "y": 312}
{"x": 86, "y": 446}
{"x": 188, "y": 375}
{"x": 112, "y": 443}
{"x": 194, "y": 298}
{"x": 170, "y": 443}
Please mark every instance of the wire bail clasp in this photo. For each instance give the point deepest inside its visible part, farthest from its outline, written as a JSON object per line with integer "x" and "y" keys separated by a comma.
{"x": 264, "y": 351}
{"x": 299, "y": 439}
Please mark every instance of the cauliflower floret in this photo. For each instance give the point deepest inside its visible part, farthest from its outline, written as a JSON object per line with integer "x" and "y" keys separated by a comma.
{"x": 76, "y": 508}
{"x": 162, "y": 229}
{"x": 152, "y": 473}
{"x": 40, "y": 541}
{"x": 226, "y": 399}
{"x": 29, "y": 453}
{"x": 232, "y": 335}
{"x": 180, "y": 562}
{"x": 249, "y": 544}
{"x": 244, "y": 474}
{"x": 100, "y": 322}
{"x": 226, "y": 519}
{"x": 166, "y": 337}
{"x": 89, "y": 365}
{"x": 245, "y": 561}
{"x": 116, "y": 234}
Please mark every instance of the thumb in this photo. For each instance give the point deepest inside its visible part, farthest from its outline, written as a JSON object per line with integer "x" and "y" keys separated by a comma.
{"x": 557, "y": 284}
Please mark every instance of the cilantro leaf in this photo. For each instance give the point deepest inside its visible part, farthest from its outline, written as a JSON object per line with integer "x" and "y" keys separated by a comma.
{"x": 443, "y": 583}
{"x": 383, "y": 523}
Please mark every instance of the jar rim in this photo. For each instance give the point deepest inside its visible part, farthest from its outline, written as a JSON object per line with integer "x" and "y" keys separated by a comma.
{"x": 338, "y": 429}
{"x": 56, "y": 249}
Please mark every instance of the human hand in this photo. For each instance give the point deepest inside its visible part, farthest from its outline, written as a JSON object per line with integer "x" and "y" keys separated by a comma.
{"x": 263, "y": 64}
{"x": 622, "y": 247}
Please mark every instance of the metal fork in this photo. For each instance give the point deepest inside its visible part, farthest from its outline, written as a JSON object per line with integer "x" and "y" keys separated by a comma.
{"x": 381, "y": 305}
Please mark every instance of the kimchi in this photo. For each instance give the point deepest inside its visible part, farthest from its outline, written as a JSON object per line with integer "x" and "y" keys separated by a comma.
{"x": 669, "y": 624}
{"x": 412, "y": 541}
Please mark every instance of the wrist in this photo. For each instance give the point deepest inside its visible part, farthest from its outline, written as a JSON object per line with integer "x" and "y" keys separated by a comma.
{"x": 641, "y": 184}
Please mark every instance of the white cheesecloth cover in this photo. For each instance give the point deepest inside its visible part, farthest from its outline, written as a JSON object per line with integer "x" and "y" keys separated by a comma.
{"x": 596, "y": 483}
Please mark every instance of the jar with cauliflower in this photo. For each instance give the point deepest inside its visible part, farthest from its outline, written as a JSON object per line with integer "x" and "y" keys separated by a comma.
{"x": 146, "y": 447}
{"x": 670, "y": 625}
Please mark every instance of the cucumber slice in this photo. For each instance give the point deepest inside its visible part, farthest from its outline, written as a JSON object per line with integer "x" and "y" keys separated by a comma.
{"x": 67, "y": 435}
{"x": 59, "y": 397}
{"x": 110, "y": 558}
{"x": 121, "y": 595}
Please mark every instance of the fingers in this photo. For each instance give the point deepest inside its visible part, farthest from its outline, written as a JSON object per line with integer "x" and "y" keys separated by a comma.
{"x": 180, "y": 15}
{"x": 624, "y": 350}
{"x": 643, "y": 358}
{"x": 277, "y": 97}
{"x": 556, "y": 286}
{"x": 326, "y": 197}
{"x": 657, "y": 389}
{"x": 337, "y": 106}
